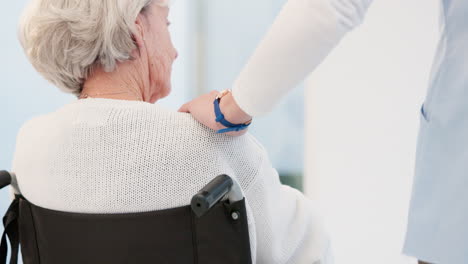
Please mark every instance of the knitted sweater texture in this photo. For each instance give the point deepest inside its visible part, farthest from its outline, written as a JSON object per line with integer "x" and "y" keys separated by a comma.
{"x": 118, "y": 156}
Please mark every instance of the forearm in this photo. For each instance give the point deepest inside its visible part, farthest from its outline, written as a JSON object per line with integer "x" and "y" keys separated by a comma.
{"x": 301, "y": 37}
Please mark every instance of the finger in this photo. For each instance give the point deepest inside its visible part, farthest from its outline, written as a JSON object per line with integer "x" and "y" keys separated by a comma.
{"x": 185, "y": 108}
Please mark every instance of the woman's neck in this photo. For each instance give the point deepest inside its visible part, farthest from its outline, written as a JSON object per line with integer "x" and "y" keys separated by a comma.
{"x": 120, "y": 84}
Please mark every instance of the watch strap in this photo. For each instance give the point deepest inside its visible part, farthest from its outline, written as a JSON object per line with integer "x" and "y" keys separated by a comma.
{"x": 221, "y": 119}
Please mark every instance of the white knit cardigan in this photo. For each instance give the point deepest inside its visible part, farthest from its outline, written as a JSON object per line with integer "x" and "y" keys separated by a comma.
{"x": 118, "y": 156}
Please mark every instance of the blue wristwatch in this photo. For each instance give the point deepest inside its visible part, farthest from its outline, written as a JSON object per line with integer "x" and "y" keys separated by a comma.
{"x": 220, "y": 117}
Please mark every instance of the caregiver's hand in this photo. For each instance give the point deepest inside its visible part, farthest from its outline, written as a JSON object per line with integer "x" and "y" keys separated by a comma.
{"x": 202, "y": 109}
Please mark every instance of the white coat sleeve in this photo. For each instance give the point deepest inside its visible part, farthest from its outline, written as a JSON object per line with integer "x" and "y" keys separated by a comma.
{"x": 300, "y": 38}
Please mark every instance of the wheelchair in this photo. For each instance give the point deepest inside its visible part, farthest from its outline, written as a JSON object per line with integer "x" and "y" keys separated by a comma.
{"x": 213, "y": 229}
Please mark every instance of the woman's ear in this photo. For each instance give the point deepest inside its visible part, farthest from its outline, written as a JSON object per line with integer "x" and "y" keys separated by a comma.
{"x": 139, "y": 35}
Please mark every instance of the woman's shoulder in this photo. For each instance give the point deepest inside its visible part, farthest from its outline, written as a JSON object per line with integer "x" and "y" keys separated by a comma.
{"x": 150, "y": 128}
{"x": 135, "y": 118}
{"x": 33, "y": 126}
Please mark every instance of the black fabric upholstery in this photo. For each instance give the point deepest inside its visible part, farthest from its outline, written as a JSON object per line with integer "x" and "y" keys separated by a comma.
{"x": 172, "y": 236}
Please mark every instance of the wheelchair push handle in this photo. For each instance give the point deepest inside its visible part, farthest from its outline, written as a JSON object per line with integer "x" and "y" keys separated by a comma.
{"x": 212, "y": 193}
{"x": 5, "y": 179}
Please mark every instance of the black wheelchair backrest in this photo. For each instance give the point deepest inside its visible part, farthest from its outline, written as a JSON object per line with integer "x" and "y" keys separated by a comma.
{"x": 209, "y": 231}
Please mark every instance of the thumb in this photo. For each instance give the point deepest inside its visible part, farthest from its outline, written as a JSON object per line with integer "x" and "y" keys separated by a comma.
{"x": 184, "y": 108}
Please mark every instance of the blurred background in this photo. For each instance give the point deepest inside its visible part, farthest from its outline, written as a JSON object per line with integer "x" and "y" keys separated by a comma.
{"x": 346, "y": 136}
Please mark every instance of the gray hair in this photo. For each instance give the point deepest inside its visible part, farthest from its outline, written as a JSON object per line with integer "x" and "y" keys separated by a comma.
{"x": 65, "y": 39}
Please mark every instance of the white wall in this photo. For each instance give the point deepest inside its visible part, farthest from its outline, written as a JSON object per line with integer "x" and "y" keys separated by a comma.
{"x": 362, "y": 121}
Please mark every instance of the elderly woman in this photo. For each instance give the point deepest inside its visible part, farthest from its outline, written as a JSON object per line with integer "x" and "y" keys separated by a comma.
{"x": 115, "y": 151}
